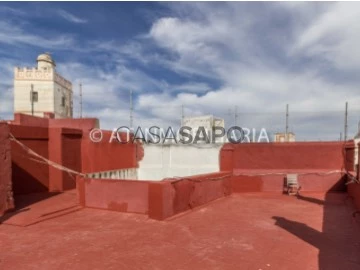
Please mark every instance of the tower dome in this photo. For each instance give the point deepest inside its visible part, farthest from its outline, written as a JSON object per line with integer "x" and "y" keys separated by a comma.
{"x": 45, "y": 61}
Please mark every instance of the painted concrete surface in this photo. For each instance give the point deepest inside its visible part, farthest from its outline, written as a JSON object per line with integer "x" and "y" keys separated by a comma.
{"x": 275, "y": 156}
{"x": 248, "y": 231}
{"x": 6, "y": 190}
{"x": 175, "y": 160}
{"x": 38, "y": 207}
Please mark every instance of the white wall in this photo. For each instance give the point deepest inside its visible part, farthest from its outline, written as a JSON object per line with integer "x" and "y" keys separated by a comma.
{"x": 22, "y": 103}
{"x": 175, "y": 160}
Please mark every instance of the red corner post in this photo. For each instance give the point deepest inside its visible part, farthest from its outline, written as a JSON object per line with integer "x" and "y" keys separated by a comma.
{"x": 6, "y": 194}
{"x": 65, "y": 150}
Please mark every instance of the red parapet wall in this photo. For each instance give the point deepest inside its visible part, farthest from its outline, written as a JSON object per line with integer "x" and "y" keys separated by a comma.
{"x": 262, "y": 167}
{"x": 6, "y": 194}
{"x": 84, "y": 124}
{"x": 271, "y": 181}
{"x": 275, "y": 156}
{"x": 107, "y": 156}
{"x": 171, "y": 197}
{"x": 160, "y": 199}
{"x": 117, "y": 195}
{"x": 29, "y": 120}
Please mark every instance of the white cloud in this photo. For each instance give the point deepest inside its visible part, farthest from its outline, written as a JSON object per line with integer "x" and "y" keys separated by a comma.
{"x": 71, "y": 17}
{"x": 14, "y": 35}
{"x": 262, "y": 57}
{"x": 334, "y": 35}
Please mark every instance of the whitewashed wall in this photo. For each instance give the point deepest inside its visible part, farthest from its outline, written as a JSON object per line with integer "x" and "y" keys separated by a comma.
{"x": 172, "y": 160}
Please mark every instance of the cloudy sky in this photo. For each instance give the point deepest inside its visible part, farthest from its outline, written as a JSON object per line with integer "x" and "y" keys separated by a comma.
{"x": 208, "y": 57}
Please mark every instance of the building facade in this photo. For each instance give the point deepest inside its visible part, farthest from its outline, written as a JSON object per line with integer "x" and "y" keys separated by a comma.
{"x": 284, "y": 137}
{"x": 41, "y": 91}
{"x": 208, "y": 122}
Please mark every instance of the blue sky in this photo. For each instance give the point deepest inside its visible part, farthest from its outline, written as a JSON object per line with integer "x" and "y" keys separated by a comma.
{"x": 208, "y": 57}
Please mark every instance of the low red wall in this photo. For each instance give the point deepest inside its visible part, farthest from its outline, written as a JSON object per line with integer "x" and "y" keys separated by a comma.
{"x": 84, "y": 124}
{"x": 274, "y": 181}
{"x": 29, "y": 120}
{"x": 168, "y": 198}
{"x": 117, "y": 195}
{"x": 106, "y": 156}
{"x": 259, "y": 167}
{"x": 160, "y": 200}
{"x": 274, "y": 156}
{"x": 6, "y": 195}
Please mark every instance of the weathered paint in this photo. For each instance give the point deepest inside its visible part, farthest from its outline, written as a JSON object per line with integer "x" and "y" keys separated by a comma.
{"x": 6, "y": 193}
{"x": 117, "y": 195}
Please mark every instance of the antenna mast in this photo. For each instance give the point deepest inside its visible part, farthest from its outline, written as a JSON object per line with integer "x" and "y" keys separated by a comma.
{"x": 131, "y": 109}
{"x": 80, "y": 94}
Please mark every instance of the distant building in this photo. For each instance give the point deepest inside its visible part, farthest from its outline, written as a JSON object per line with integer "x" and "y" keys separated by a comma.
{"x": 41, "y": 91}
{"x": 283, "y": 137}
{"x": 206, "y": 121}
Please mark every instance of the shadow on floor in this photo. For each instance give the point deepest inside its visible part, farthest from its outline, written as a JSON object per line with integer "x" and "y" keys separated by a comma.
{"x": 23, "y": 201}
{"x": 310, "y": 199}
{"x": 338, "y": 242}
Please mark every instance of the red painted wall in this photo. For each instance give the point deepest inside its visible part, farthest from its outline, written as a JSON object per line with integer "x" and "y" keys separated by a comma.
{"x": 354, "y": 188}
{"x": 105, "y": 156}
{"x": 354, "y": 191}
{"x": 295, "y": 155}
{"x": 28, "y": 175}
{"x": 117, "y": 195}
{"x": 259, "y": 167}
{"x": 6, "y": 195}
{"x": 84, "y": 124}
{"x": 315, "y": 181}
{"x": 64, "y": 149}
{"x": 28, "y": 120}
{"x": 160, "y": 200}
{"x": 168, "y": 198}
{"x": 349, "y": 156}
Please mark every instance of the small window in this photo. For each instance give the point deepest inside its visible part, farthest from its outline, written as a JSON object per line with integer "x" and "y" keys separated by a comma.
{"x": 63, "y": 101}
{"x": 34, "y": 96}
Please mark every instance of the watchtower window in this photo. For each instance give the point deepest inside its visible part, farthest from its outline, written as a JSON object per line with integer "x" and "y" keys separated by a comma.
{"x": 63, "y": 101}
{"x": 33, "y": 96}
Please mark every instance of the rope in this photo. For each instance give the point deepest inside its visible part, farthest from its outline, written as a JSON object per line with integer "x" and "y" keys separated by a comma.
{"x": 44, "y": 160}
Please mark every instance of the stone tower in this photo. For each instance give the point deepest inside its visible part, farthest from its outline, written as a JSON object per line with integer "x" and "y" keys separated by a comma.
{"x": 42, "y": 91}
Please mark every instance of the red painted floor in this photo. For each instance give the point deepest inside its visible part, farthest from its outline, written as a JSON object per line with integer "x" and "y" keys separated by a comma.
{"x": 248, "y": 231}
{"x": 38, "y": 207}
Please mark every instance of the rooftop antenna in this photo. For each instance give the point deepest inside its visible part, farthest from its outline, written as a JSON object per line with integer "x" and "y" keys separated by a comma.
{"x": 182, "y": 115}
{"x": 131, "y": 109}
{"x": 287, "y": 123}
{"x": 234, "y": 113}
{"x": 80, "y": 101}
{"x": 346, "y": 121}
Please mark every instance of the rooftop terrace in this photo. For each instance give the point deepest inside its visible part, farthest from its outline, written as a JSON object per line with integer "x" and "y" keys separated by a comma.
{"x": 242, "y": 231}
